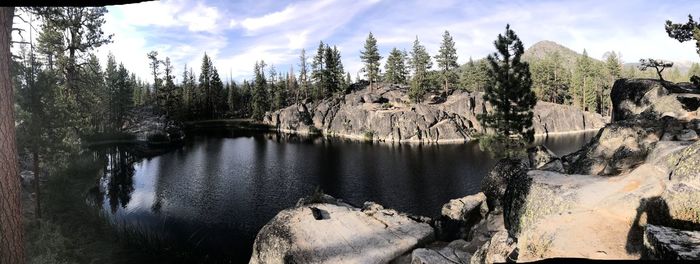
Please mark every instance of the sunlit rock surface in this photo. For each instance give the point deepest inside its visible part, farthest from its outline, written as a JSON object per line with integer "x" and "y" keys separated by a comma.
{"x": 330, "y": 233}
{"x": 387, "y": 114}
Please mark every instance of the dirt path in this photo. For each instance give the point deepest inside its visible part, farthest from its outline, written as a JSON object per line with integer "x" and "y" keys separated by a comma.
{"x": 599, "y": 226}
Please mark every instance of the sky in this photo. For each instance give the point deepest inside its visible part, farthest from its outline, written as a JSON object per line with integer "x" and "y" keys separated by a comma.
{"x": 235, "y": 34}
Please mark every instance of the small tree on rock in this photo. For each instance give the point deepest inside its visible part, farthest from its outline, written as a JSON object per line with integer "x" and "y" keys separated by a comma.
{"x": 659, "y": 65}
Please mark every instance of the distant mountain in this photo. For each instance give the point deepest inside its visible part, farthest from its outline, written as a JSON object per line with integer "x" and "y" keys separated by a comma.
{"x": 544, "y": 47}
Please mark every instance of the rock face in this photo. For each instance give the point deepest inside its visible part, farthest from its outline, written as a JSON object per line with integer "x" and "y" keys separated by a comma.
{"x": 632, "y": 97}
{"x": 671, "y": 244}
{"x": 463, "y": 208}
{"x": 146, "y": 125}
{"x": 330, "y": 233}
{"x": 454, "y": 252}
{"x": 617, "y": 148}
{"x": 386, "y": 114}
{"x": 495, "y": 183}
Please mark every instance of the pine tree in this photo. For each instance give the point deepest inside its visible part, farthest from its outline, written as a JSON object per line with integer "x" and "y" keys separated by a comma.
{"x": 318, "y": 70}
{"x": 154, "y": 64}
{"x": 168, "y": 98}
{"x": 395, "y": 68}
{"x": 370, "y": 57}
{"x": 550, "y": 80}
{"x": 420, "y": 63}
{"x": 260, "y": 100}
{"x": 447, "y": 61}
{"x": 474, "y": 76}
{"x": 111, "y": 83}
{"x": 303, "y": 74}
{"x": 510, "y": 95}
{"x": 204, "y": 102}
{"x": 613, "y": 69}
{"x": 124, "y": 101}
{"x": 585, "y": 81}
{"x": 217, "y": 98}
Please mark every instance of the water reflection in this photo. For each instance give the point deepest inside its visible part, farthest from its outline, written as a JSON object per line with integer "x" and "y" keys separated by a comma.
{"x": 214, "y": 193}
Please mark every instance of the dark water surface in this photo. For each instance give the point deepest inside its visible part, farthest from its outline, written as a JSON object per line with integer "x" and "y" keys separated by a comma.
{"x": 218, "y": 190}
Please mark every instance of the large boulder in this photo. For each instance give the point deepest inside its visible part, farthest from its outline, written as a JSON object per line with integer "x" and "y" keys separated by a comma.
{"x": 330, "y": 233}
{"x": 496, "y": 181}
{"x": 679, "y": 205}
{"x": 666, "y": 243}
{"x": 617, "y": 148}
{"x": 632, "y": 97}
{"x": 499, "y": 249}
{"x": 460, "y": 215}
{"x": 541, "y": 158}
{"x": 454, "y": 252}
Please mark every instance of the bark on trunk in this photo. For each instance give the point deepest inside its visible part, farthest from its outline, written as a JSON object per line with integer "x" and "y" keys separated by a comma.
{"x": 11, "y": 231}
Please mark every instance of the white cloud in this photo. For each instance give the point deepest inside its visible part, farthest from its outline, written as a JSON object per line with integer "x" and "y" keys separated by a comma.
{"x": 201, "y": 18}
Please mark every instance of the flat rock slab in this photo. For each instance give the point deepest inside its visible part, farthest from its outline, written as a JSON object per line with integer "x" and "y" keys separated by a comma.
{"x": 327, "y": 233}
{"x": 672, "y": 244}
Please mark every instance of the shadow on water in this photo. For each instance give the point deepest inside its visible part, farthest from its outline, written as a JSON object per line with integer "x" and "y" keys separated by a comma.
{"x": 210, "y": 197}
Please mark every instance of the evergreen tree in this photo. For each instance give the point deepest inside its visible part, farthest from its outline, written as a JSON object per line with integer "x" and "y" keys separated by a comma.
{"x": 447, "y": 61}
{"x": 613, "y": 70}
{"x": 217, "y": 98}
{"x": 303, "y": 75}
{"x": 510, "y": 95}
{"x": 584, "y": 82}
{"x": 318, "y": 71}
{"x": 395, "y": 68}
{"x": 154, "y": 64}
{"x": 259, "y": 94}
{"x": 75, "y": 33}
{"x": 233, "y": 98}
{"x": 123, "y": 97}
{"x": 112, "y": 85}
{"x": 550, "y": 80}
{"x": 474, "y": 77}
{"x": 204, "y": 102}
{"x": 690, "y": 31}
{"x": 168, "y": 97}
{"x": 420, "y": 64}
{"x": 246, "y": 99}
{"x": 370, "y": 57}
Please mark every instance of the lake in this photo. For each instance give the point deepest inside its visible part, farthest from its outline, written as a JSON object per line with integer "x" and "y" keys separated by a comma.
{"x": 213, "y": 194}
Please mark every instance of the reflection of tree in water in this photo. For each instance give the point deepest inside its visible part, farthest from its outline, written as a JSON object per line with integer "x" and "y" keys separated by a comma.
{"x": 118, "y": 174}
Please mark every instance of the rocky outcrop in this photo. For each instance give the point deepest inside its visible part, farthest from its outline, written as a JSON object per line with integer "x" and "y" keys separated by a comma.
{"x": 387, "y": 114}
{"x": 454, "y": 252}
{"x": 542, "y": 158}
{"x": 148, "y": 125}
{"x": 495, "y": 182}
{"x": 671, "y": 244}
{"x": 339, "y": 233}
{"x": 632, "y": 97}
{"x": 463, "y": 208}
{"x": 617, "y": 148}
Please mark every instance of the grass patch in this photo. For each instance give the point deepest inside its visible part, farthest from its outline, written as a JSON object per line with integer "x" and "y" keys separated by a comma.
{"x": 537, "y": 245}
{"x": 368, "y": 135}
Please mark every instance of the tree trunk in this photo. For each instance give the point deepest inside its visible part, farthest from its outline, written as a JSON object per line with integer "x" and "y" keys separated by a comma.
{"x": 11, "y": 231}
{"x": 37, "y": 186}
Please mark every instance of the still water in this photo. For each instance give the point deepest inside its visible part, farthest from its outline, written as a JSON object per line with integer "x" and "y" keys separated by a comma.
{"x": 214, "y": 193}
